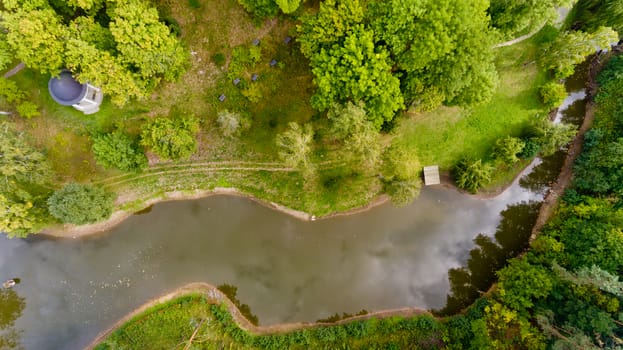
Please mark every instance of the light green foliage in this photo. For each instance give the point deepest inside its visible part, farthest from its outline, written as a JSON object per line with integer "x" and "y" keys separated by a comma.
{"x": 19, "y": 163}
{"x": 458, "y": 65}
{"x": 232, "y": 123}
{"x": 88, "y": 5}
{"x": 295, "y": 144}
{"x": 16, "y": 218}
{"x": 10, "y": 91}
{"x": 358, "y": 71}
{"x": 401, "y": 171}
{"x": 506, "y": 329}
{"x": 37, "y": 38}
{"x": 288, "y": 6}
{"x": 571, "y": 48}
{"x": 243, "y": 57}
{"x": 86, "y": 29}
{"x": 80, "y": 204}
{"x": 127, "y": 57}
{"x": 403, "y": 192}
{"x": 507, "y": 148}
{"x": 551, "y": 137}
{"x": 171, "y": 138}
{"x": 22, "y": 169}
{"x": 260, "y": 8}
{"x": 6, "y": 54}
{"x": 330, "y": 25}
{"x": 359, "y": 138}
{"x": 253, "y": 93}
{"x": 146, "y": 44}
{"x": 473, "y": 174}
{"x": 28, "y": 110}
{"x": 521, "y": 283}
{"x": 516, "y": 17}
{"x": 398, "y": 163}
{"x": 118, "y": 150}
{"x": 552, "y": 94}
{"x": 100, "y": 68}
{"x": 15, "y": 98}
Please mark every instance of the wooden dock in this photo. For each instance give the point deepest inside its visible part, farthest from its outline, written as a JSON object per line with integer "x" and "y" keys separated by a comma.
{"x": 431, "y": 175}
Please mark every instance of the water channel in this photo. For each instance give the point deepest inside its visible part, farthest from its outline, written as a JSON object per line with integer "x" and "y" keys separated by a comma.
{"x": 286, "y": 270}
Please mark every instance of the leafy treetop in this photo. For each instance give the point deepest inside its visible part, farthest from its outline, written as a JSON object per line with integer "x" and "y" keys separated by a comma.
{"x": 121, "y": 46}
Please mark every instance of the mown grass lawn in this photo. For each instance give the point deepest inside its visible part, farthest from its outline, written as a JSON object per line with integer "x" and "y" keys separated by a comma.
{"x": 446, "y": 135}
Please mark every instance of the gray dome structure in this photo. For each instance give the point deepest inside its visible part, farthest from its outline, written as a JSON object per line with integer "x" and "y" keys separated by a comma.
{"x": 65, "y": 90}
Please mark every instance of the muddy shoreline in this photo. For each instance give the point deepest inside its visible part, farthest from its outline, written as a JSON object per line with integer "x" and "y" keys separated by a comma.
{"x": 117, "y": 217}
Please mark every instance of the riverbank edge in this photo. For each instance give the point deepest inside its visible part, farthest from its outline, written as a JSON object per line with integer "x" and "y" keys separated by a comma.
{"x": 215, "y": 296}
{"x": 117, "y": 217}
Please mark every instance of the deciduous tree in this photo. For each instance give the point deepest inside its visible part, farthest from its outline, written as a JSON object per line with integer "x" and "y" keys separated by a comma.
{"x": 514, "y": 17}
{"x": 118, "y": 150}
{"x": 358, "y": 136}
{"x": 473, "y": 174}
{"x": 571, "y": 48}
{"x": 357, "y": 71}
{"x": 171, "y": 138}
{"x": 288, "y": 6}
{"x": 401, "y": 173}
{"x": 294, "y": 145}
{"x": 80, "y": 204}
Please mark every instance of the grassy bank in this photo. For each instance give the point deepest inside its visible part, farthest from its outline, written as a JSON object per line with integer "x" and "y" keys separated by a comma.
{"x": 218, "y": 33}
{"x": 194, "y": 320}
{"x": 446, "y": 135}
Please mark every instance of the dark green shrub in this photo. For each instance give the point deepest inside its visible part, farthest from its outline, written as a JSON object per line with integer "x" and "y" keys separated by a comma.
{"x": 530, "y": 149}
{"x": 612, "y": 71}
{"x": 80, "y": 204}
{"x": 260, "y": 9}
{"x": 219, "y": 59}
{"x": 118, "y": 150}
{"x": 194, "y": 4}
{"x": 473, "y": 174}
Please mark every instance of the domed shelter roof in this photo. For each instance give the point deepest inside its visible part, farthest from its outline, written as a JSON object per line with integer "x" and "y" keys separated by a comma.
{"x": 65, "y": 90}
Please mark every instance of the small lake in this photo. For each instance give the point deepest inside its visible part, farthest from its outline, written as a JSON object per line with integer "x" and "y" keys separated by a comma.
{"x": 286, "y": 270}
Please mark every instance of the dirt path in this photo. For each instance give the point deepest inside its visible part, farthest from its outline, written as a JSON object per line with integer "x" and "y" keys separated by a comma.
{"x": 216, "y": 296}
{"x": 14, "y": 71}
{"x": 519, "y": 39}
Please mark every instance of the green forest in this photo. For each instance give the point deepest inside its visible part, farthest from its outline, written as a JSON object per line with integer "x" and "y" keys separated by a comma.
{"x": 324, "y": 107}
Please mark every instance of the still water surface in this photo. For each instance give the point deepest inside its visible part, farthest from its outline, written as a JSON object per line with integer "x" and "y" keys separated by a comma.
{"x": 285, "y": 269}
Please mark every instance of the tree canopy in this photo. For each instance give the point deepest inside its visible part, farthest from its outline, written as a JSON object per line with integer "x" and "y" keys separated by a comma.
{"x": 375, "y": 54}
{"x": 592, "y": 14}
{"x": 80, "y": 204}
{"x": 121, "y": 46}
{"x": 22, "y": 171}
{"x": 571, "y": 48}
{"x": 516, "y": 17}
{"x": 171, "y": 138}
